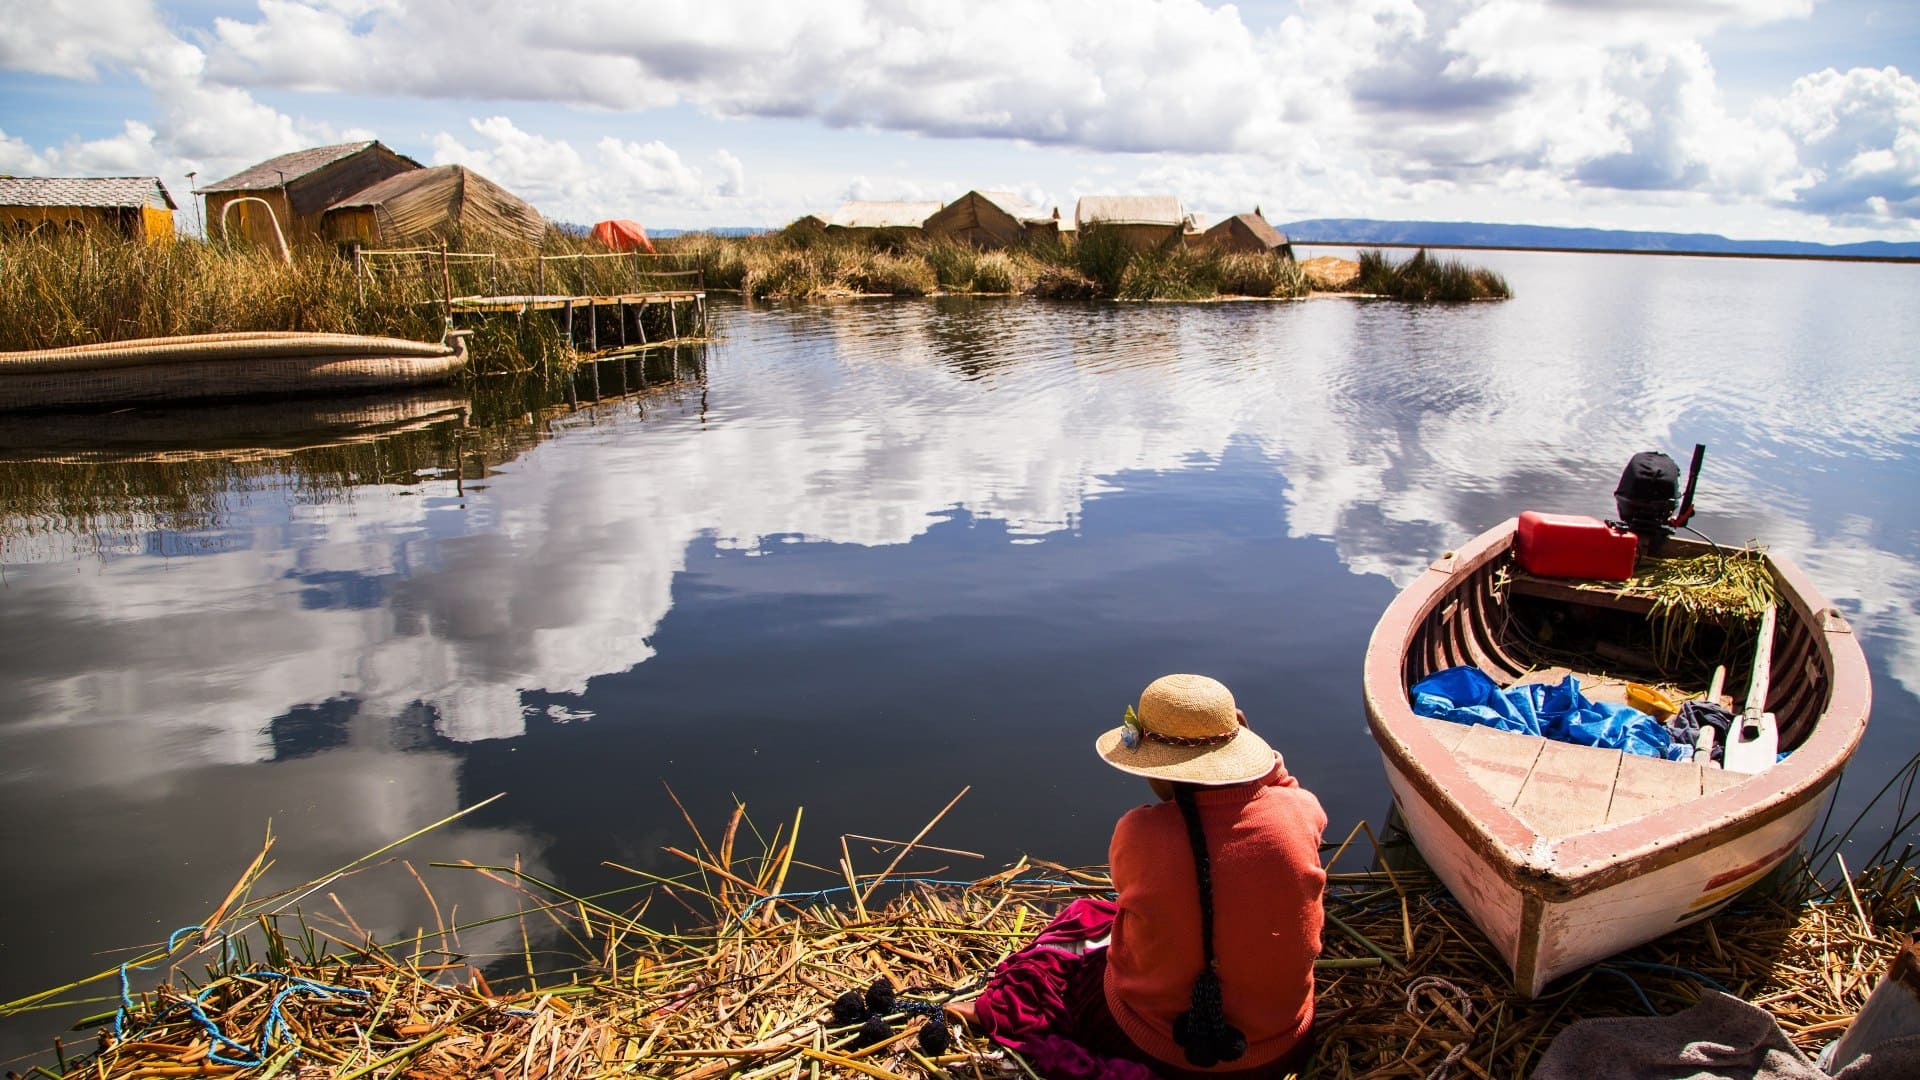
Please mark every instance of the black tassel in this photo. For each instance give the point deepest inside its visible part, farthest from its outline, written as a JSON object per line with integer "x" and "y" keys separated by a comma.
{"x": 934, "y": 1037}
{"x": 1203, "y": 1032}
{"x": 874, "y": 1030}
{"x": 880, "y": 996}
{"x": 849, "y": 1008}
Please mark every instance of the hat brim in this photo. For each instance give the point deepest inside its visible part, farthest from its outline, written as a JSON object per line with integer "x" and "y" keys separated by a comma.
{"x": 1244, "y": 757}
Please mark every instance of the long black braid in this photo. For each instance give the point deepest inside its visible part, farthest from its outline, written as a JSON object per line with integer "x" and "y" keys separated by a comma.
{"x": 1202, "y": 1031}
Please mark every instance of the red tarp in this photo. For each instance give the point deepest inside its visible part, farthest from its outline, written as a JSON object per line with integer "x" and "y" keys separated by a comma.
{"x": 623, "y": 235}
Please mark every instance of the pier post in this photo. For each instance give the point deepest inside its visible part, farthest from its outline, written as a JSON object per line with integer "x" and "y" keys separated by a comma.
{"x": 570, "y": 343}
{"x": 621, "y": 309}
{"x": 672, "y": 323}
{"x": 593, "y": 328}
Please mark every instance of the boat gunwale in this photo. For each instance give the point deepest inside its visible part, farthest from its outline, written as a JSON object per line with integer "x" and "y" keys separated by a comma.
{"x": 1576, "y": 865}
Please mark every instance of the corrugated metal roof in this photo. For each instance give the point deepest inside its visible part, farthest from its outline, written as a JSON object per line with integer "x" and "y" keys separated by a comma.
{"x": 85, "y": 191}
{"x": 287, "y": 168}
{"x": 867, "y": 214}
{"x": 1128, "y": 210}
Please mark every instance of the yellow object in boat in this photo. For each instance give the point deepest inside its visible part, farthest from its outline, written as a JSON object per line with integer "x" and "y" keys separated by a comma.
{"x": 1650, "y": 701}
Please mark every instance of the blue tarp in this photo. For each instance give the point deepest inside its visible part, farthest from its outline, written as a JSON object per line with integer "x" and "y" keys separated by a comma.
{"x": 1466, "y": 695}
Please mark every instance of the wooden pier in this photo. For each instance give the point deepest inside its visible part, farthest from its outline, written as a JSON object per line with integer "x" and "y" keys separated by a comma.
{"x": 597, "y": 324}
{"x": 605, "y": 325}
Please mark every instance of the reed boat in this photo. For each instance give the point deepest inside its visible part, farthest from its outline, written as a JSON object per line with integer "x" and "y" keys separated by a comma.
{"x": 204, "y": 366}
{"x": 1564, "y": 854}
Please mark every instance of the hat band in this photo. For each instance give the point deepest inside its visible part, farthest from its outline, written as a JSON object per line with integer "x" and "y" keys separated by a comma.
{"x": 1191, "y": 740}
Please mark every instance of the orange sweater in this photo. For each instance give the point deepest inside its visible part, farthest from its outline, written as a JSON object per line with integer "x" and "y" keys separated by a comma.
{"x": 1263, "y": 840}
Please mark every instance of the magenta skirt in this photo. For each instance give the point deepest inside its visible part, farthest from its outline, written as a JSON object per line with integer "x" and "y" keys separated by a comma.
{"x": 1048, "y": 1002}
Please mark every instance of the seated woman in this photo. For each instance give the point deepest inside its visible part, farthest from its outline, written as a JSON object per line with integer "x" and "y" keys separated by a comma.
{"x": 1203, "y": 964}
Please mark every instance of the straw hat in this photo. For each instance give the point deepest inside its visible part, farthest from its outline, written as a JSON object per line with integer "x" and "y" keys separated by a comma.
{"x": 1185, "y": 729}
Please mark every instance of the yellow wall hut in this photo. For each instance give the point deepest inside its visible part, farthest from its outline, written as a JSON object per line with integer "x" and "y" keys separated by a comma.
{"x": 132, "y": 206}
{"x": 297, "y": 188}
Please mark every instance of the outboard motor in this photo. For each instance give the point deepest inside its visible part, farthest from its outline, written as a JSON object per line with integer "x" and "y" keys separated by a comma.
{"x": 1648, "y": 494}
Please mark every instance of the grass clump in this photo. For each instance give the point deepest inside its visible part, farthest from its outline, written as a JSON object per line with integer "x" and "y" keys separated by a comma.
{"x": 888, "y": 274}
{"x": 1102, "y": 257}
{"x": 1172, "y": 273}
{"x": 1247, "y": 274}
{"x": 1426, "y": 278}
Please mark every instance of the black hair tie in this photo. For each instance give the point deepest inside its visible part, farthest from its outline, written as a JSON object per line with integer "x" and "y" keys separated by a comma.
{"x": 1202, "y": 1031}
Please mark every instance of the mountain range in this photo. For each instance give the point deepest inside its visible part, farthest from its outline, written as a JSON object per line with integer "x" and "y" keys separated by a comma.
{"x": 1365, "y": 231}
{"x": 1361, "y": 232}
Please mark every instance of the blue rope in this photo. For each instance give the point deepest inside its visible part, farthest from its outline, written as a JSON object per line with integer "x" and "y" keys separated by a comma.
{"x": 1611, "y": 970}
{"x": 1688, "y": 972}
{"x": 126, "y": 988}
{"x": 274, "y": 1030}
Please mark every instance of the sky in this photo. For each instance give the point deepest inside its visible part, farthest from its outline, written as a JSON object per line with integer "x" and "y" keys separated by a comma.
{"x": 1755, "y": 119}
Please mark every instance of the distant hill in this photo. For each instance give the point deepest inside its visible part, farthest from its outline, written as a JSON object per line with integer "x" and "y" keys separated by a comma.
{"x": 718, "y": 230}
{"x": 1363, "y": 231}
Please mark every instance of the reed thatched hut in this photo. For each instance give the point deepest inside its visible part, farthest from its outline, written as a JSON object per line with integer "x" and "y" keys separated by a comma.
{"x": 299, "y": 188}
{"x": 1248, "y": 232}
{"x": 133, "y": 206}
{"x": 425, "y": 205}
{"x": 1146, "y": 221}
{"x": 988, "y": 219}
{"x": 866, "y": 217}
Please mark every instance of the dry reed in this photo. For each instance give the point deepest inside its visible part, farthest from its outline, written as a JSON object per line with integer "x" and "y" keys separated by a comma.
{"x": 77, "y": 290}
{"x": 1407, "y": 986}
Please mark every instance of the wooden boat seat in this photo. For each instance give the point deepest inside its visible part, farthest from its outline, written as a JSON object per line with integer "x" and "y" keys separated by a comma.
{"x": 1560, "y": 789}
{"x": 1596, "y": 594}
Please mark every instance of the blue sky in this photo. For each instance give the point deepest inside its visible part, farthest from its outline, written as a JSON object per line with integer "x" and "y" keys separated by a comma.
{"x": 1752, "y": 118}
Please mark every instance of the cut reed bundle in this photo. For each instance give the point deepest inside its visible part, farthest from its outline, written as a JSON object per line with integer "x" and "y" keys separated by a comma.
{"x": 1407, "y": 986}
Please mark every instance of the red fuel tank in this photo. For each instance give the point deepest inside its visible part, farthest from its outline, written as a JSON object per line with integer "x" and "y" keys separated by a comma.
{"x": 1574, "y": 546}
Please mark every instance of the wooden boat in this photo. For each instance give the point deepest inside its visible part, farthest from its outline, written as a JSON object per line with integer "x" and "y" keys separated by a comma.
{"x": 202, "y": 366}
{"x": 1565, "y": 854}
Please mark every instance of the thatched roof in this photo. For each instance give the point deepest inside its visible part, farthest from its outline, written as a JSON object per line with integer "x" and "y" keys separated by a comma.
{"x": 1252, "y": 225}
{"x": 429, "y": 202}
{"x": 870, "y": 214}
{"x": 1129, "y": 210}
{"x": 96, "y": 191}
{"x": 1014, "y": 205}
{"x": 287, "y": 168}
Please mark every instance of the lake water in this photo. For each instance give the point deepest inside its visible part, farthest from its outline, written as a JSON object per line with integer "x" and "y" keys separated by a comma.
{"x": 858, "y": 557}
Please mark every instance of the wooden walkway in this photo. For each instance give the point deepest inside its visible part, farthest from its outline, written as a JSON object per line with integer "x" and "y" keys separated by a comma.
{"x": 603, "y": 326}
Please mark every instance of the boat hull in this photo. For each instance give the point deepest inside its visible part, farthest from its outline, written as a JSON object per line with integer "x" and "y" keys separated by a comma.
{"x": 1541, "y": 939}
{"x": 220, "y": 366}
{"x": 1554, "y": 894}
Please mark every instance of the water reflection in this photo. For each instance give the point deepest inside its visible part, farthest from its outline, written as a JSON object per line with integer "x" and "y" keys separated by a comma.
{"x": 887, "y": 550}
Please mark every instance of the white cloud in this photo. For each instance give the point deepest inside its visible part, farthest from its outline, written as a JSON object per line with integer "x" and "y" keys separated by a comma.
{"x": 733, "y": 182}
{"x": 1367, "y": 107}
{"x": 75, "y": 41}
{"x": 619, "y": 178}
{"x": 1859, "y": 139}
